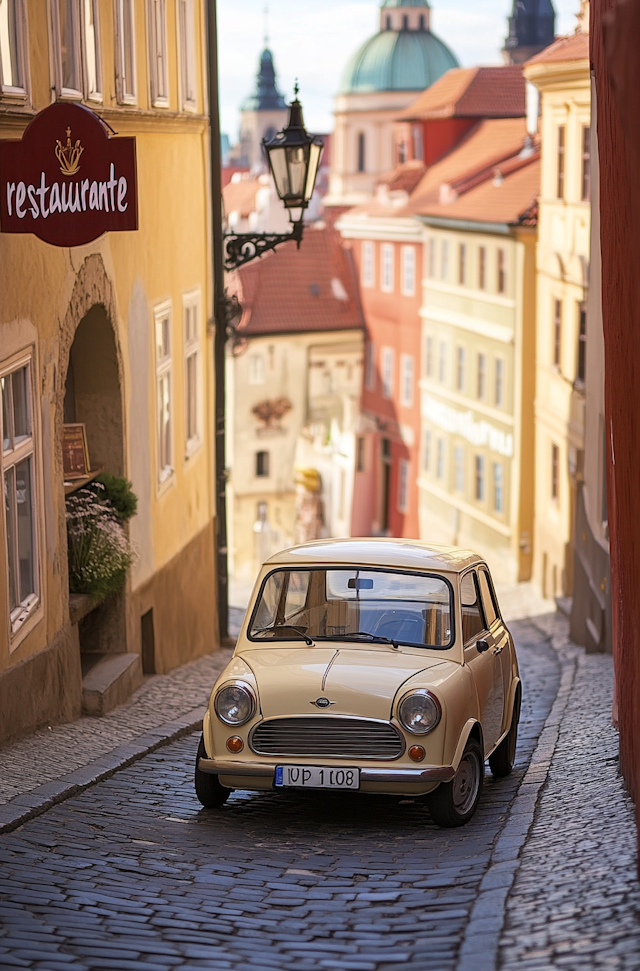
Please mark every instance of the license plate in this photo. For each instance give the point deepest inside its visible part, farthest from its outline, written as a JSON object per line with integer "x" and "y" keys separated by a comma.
{"x": 317, "y": 777}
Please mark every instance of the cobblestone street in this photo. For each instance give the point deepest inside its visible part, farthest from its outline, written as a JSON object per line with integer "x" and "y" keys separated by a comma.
{"x": 133, "y": 873}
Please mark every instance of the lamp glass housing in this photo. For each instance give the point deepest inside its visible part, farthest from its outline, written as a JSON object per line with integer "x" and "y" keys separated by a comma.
{"x": 294, "y": 158}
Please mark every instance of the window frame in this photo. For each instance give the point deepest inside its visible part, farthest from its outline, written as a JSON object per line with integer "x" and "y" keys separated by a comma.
{"x": 501, "y": 270}
{"x": 407, "y": 380}
{"x": 444, "y": 260}
{"x": 163, "y": 369}
{"x": 440, "y": 458}
{"x": 387, "y": 268}
{"x": 585, "y": 180}
{"x": 13, "y": 93}
{"x": 158, "y": 53}
{"x": 262, "y": 467}
{"x": 386, "y": 371}
{"x": 361, "y": 153}
{"x": 479, "y": 490}
{"x": 408, "y": 274}
{"x": 581, "y": 355}
{"x": 90, "y": 95}
{"x": 63, "y": 93}
{"x": 192, "y": 348}
{"x": 498, "y": 387}
{"x": 18, "y": 620}
{"x": 498, "y": 487}
{"x": 555, "y": 472}
{"x": 481, "y": 376}
{"x": 367, "y": 270}
{"x": 126, "y": 88}
{"x": 557, "y": 333}
{"x": 403, "y": 485}
{"x": 560, "y": 161}
{"x": 482, "y": 267}
{"x": 461, "y": 364}
{"x": 370, "y": 366}
{"x": 186, "y": 25}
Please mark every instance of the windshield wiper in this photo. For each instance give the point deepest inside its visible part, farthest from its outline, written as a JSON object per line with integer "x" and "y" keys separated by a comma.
{"x": 375, "y": 638}
{"x": 277, "y": 627}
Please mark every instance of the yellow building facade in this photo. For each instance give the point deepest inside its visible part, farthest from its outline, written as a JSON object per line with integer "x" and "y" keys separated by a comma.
{"x": 112, "y": 334}
{"x": 561, "y": 75}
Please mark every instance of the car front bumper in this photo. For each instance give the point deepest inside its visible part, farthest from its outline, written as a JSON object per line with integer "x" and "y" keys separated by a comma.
{"x": 261, "y": 775}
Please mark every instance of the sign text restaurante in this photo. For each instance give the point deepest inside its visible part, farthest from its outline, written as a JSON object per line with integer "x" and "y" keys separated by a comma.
{"x": 67, "y": 181}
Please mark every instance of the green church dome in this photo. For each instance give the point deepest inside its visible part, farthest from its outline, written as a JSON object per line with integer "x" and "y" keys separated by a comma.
{"x": 404, "y": 56}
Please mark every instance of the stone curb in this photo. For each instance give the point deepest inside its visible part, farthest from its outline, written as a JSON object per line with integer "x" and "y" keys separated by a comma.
{"x": 479, "y": 949}
{"x": 31, "y": 804}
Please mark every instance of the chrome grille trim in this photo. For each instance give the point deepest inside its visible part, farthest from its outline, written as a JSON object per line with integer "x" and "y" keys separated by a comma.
{"x": 327, "y": 736}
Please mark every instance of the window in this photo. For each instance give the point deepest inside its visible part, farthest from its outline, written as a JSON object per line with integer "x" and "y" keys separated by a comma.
{"x": 66, "y": 22}
{"x": 256, "y": 369}
{"x": 362, "y": 160}
{"x": 367, "y": 263}
{"x": 18, "y": 475}
{"x": 403, "y": 485}
{"x": 498, "y": 503}
{"x": 158, "y": 53}
{"x": 408, "y": 271}
{"x": 125, "y": 52}
{"x": 12, "y": 48}
{"x": 429, "y": 357}
{"x": 585, "y": 194}
{"x": 406, "y": 380}
{"x": 480, "y": 478}
{"x": 432, "y": 256}
{"x": 262, "y": 465}
{"x": 427, "y": 449}
{"x": 499, "y": 388}
{"x": 460, "y": 369}
{"x": 462, "y": 264}
{"x": 557, "y": 332}
{"x": 488, "y": 597}
{"x": 482, "y": 376}
{"x": 482, "y": 267}
{"x": 387, "y": 371}
{"x": 164, "y": 390}
{"x": 459, "y": 470}
{"x": 360, "y": 454}
{"x": 386, "y": 283}
{"x": 91, "y": 38}
{"x": 187, "y": 54}
{"x": 472, "y": 617}
{"x": 442, "y": 362}
{"x": 560, "y": 163}
{"x": 502, "y": 271}
{"x": 370, "y": 367}
{"x": 555, "y": 471}
{"x": 444, "y": 260}
{"x": 191, "y": 307}
{"x": 440, "y": 459}
{"x": 581, "y": 369}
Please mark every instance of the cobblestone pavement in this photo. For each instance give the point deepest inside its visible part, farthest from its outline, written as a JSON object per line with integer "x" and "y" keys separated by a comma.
{"x": 133, "y": 874}
{"x": 575, "y": 900}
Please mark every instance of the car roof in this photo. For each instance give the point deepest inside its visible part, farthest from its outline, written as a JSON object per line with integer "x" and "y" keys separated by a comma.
{"x": 378, "y": 551}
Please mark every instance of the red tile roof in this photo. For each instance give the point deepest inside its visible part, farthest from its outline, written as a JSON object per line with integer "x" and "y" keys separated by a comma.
{"x": 297, "y": 291}
{"x": 575, "y": 47}
{"x": 477, "y": 92}
{"x": 405, "y": 177}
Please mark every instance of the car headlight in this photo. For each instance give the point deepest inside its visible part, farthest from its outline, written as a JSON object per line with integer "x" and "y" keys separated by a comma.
{"x": 235, "y": 704}
{"x": 419, "y": 712}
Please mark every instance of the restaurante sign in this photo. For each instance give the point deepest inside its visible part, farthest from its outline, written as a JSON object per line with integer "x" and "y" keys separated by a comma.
{"x": 67, "y": 180}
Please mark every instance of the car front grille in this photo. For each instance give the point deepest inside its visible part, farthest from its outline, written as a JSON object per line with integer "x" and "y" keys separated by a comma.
{"x": 337, "y": 738}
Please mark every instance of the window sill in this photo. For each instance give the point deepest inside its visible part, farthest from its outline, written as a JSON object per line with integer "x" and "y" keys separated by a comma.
{"x": 24, "y": 620}
{"x": 193, "y": 446}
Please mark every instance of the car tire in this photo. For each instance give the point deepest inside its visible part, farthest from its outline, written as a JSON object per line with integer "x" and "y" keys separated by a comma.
{"x": 208, "y": 789}
{"x": 501, "y": 761}
{"x": 454, "y": 803}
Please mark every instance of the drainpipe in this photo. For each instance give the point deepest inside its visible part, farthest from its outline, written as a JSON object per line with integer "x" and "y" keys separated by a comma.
{"x": 220, "y": 321}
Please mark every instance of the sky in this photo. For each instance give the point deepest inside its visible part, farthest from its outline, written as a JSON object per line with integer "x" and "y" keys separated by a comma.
{"x": 313, "y": 39}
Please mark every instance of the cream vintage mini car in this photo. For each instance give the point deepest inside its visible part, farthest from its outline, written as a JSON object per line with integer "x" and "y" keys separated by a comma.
{"x": 377, "y": 665}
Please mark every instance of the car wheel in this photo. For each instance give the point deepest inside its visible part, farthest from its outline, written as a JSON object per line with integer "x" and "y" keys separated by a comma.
{"x": 208, "y": 789}
{"x": 454, "y": 803}
{"x": 501, "y": 761}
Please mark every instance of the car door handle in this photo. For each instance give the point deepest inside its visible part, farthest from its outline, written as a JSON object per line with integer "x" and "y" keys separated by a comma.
{"x": 498, "y": 650}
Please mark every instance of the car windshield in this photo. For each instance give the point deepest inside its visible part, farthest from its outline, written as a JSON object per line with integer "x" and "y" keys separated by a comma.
{"x": 360, "y": 605}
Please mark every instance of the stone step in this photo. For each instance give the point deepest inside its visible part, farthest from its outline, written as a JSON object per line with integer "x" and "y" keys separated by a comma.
{"x": 109, "y": 681}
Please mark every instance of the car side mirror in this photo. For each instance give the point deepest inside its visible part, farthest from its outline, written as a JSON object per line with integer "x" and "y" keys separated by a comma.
{"x": 481, "y": 647}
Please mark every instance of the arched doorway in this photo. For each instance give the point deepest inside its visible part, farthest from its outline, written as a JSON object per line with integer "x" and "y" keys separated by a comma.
{"x": 93, "y": 397}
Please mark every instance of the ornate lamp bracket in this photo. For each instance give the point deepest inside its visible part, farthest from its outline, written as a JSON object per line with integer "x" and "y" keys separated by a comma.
{"x": 241, "y": 248}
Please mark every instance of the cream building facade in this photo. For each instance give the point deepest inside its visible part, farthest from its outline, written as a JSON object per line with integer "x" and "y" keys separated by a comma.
{"x": 561, "y": 74}
{"x": 111, "y": 334}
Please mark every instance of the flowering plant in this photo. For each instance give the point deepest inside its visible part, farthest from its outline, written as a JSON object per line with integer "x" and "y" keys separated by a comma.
{"x": 99, "y": 552}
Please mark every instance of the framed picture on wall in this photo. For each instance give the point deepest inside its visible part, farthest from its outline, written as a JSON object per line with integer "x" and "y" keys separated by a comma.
{"x": 75, "y": 454}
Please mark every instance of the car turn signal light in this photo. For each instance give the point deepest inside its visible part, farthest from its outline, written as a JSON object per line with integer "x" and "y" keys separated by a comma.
{"x": 417, "y": 753}
{"x": 235, "y": 744}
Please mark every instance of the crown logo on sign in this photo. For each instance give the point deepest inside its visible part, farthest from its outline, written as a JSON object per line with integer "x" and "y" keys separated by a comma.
{"x": 69, "y": 155}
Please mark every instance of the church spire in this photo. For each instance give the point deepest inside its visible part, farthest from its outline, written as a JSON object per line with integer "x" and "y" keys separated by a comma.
{"x": 266, "y": 96}
{"x": 531, "y": 28}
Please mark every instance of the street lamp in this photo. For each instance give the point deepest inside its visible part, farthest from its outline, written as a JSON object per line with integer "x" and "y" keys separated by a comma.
{"x": 294, "y": 157}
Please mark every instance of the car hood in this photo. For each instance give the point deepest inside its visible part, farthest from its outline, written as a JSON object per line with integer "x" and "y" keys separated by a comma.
{"x": 356, "y": 681}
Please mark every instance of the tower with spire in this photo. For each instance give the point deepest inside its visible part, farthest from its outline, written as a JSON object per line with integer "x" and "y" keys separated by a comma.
{"x": 262, "y": 114}
{"x": 532, "y": 27}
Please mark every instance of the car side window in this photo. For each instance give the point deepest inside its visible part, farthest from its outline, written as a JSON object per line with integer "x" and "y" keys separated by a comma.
{"x": 488, "y": 602}
{"x": 472, "y": 616}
